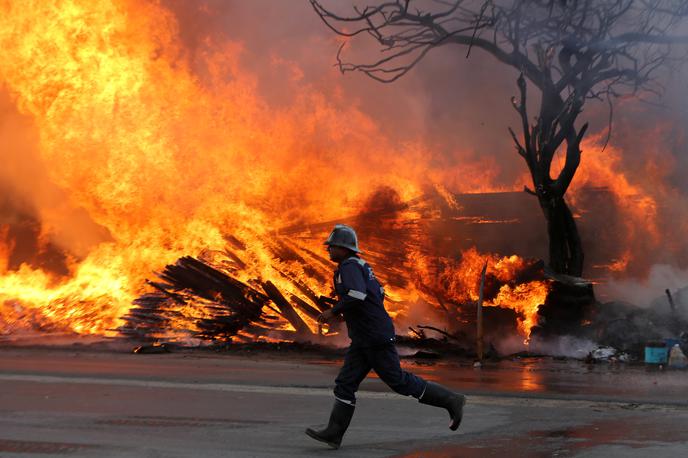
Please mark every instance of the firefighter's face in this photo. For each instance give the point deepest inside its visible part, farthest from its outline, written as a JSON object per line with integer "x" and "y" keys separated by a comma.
{"x": 337, "y": 253}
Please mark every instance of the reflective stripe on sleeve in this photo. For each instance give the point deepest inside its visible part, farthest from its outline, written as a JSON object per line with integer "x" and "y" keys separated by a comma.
{"x": 345, "y": 401}
{"x": 357, "y": 294}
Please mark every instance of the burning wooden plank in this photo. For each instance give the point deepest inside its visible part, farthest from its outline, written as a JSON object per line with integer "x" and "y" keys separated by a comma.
{"x": 305, "y": 307}
{"x": 223, "y": 305}
{"x": 479, "y": 322}
{"x": 286, "y": 308}
{"x": 216, "y": 306}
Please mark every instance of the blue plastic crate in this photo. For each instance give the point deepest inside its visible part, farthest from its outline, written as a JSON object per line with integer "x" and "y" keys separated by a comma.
{"x": 656, "y": 355}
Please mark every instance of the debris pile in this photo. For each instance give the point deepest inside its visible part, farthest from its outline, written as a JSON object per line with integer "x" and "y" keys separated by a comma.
{"x": 194, "y": 299}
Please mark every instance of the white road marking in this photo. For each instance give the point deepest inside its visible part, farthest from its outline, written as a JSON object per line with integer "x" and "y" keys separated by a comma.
{"x": 314, "y": 391}
{"x": 231, "y": 387}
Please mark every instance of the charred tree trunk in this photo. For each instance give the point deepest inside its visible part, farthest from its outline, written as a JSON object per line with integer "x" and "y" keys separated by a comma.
{"x": 553, "y": 128}
{"x": 565, "y": 248}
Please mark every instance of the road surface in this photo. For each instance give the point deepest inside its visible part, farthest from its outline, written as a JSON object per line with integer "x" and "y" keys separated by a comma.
{"x": 75, "y": 403}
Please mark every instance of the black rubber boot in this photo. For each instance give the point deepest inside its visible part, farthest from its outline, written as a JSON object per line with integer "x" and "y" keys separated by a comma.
{"x": 339, "y": 422}
{"x": 439, "y": 396}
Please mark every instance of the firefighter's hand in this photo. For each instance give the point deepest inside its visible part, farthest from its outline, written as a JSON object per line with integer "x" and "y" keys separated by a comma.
{"x": 326, "y": 316}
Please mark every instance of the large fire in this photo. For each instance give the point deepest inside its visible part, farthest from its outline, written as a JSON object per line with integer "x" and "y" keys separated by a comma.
{"x": 170, "y": 156}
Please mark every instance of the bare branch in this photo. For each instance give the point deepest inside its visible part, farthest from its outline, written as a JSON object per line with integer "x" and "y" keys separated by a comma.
{"x": 571, "y": 51}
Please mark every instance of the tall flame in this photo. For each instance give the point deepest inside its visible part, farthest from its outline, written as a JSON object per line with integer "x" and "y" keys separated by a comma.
{"x": 166, "y": 160}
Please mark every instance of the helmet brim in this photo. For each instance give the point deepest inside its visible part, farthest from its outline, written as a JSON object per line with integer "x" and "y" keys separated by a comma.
{"x": 354, "y": 249}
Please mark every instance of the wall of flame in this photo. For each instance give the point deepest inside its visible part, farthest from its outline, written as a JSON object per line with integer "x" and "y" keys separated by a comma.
{"x": 167, "y": 153}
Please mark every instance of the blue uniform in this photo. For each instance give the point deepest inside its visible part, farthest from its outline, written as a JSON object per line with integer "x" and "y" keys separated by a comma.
{"x": 361, "y": 301}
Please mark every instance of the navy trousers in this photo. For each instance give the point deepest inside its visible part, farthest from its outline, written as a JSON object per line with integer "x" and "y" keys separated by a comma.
{"x": 384, "y": 359}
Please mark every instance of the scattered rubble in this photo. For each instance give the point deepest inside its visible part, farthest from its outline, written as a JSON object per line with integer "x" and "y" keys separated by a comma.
{"x": 607, "y": 354}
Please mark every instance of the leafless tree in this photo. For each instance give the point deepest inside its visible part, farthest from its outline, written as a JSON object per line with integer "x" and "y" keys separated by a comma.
{"x": 570, "y": 51}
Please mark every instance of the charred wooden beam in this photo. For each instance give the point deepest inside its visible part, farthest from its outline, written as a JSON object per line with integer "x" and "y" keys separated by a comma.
{"x": 306, "y": 307}
{"x": 672, "y": 305}
{"x": 235, "y": 258}
{"x": 480, "y": 335}
{"x": 227, "y": 305}
{"x": 160, "y": 287}
{"x": 439, "y": 331}
{"x": 326, "y": 302}
{"x": 309, "y": 293}
{"x": 229, "y": 238}
{"x": 286, "y": 308}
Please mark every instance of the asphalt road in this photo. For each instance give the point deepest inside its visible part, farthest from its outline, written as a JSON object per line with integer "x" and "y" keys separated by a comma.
{"x": 67, "y": 403}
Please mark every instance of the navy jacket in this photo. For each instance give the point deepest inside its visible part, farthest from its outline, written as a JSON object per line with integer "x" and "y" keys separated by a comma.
{"x": 361, "y": 301}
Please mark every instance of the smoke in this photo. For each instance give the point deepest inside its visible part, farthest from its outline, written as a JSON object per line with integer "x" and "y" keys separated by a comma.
{"x": 38, "y": 216}
{"x": 631, "y": 198}
{"x": 567, "y": 346}
{"x": 646, "y": 291}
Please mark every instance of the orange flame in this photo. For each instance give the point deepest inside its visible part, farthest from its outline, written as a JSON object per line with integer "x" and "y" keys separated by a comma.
{"x": 459, "y": 283}
{"x": 165, "y": 162}
{"x": 168, "y": 156}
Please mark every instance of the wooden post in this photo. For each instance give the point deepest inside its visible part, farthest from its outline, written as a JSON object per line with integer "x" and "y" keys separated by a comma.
{"x": 671, "y": 301}
{"x": 676, "y": 324}
{"x": 479, "y": 340}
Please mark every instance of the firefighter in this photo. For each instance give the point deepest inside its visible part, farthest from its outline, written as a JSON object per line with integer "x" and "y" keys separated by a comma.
{"x": 370, "y": 328}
